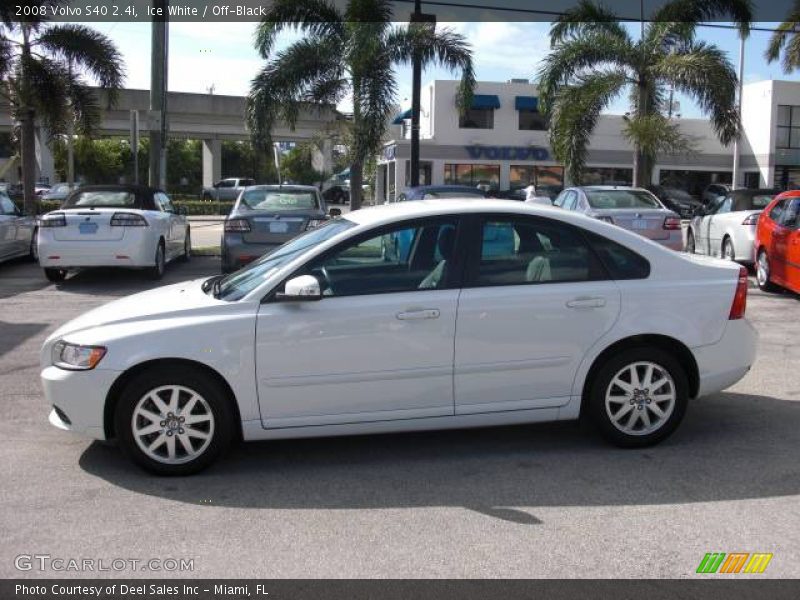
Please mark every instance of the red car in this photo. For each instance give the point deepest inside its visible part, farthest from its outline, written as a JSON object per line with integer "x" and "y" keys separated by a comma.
{"x": 777, "y": 244}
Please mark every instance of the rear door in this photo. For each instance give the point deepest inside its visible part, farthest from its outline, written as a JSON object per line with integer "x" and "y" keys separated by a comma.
{"x": 527, "y": 318}
{"x": 717, "y": 224}
{"x": 790, "y": 244}
{"x": 176, "y": 224}
{"x": 9, "y": 221}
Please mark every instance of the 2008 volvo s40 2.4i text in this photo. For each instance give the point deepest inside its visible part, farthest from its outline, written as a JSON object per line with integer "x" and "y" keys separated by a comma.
{"x": 327, "y": 335}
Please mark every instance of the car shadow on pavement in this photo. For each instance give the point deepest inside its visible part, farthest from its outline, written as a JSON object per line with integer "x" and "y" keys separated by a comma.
{"x": 19, "y": 276}
{"x": 13, "y": 335}
{"x": 731, "y": 446}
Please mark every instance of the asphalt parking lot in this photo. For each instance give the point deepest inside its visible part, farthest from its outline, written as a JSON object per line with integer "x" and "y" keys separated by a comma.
{"x": 533, "y": 501}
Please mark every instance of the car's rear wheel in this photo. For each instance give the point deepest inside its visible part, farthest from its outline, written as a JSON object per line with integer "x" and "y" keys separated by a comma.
{"x": 173, "y": 421}
{"x": 728, "y": 253}
{"x": 55, "y": 275}
{"x": 690, "y": 244}
{"x": 187, "y": 246}
{"x": 638, "y": 397}
{"x": 33, "y": 251}
{"x": 160, "y": 263}
{"x": 763, "y": 272}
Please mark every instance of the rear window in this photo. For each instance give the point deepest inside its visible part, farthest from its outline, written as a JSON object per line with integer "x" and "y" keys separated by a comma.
{"x": 619, "y": 261}
{"x": 621, "y": 199}
{"x": 273, "y": 200}
{"x": 452, "y": 194}
{"x": 116, "y": 198}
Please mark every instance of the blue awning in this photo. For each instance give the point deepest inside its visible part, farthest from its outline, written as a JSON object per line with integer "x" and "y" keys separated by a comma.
{"x": 398, "y": 120}
{"x": 526, "y": 103}
{"x": 485, "y": 101}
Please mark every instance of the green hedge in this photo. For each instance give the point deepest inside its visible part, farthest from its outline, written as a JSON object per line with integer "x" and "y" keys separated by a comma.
{"x": 193, "y": 207}
{"x": 204, "y": 207}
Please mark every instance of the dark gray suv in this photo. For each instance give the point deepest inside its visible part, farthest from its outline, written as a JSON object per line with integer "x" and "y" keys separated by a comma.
{"x": 266, "y": 216}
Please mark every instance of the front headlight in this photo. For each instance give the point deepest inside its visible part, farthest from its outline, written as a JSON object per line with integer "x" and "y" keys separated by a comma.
{"x": 76, "y": 358}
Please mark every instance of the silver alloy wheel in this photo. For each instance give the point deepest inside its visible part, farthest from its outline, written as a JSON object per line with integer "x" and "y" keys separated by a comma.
{"x": 172, "y": 424}
{"x": 640, "y": 398}
{"x": 762, "y": 269}
{"x": 727, "y": 250}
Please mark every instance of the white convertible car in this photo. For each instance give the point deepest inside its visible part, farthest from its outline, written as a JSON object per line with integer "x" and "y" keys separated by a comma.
{"x": 494, "y": 313}
{"x": 113, "y": 226}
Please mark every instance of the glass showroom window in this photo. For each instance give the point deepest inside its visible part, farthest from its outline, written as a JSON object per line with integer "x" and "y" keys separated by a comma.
{"x": 531, "y": 120}
{"x": 486, "y": 176}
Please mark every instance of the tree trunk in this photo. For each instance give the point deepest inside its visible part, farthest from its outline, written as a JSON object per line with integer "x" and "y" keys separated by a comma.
{"x": 356, "y": 181}
{"x": 28, "y": 155}
{"x": 641, "y": 172}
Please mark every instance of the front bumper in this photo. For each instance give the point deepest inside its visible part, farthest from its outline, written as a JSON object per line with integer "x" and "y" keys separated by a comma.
{"x": 80, "y": 396}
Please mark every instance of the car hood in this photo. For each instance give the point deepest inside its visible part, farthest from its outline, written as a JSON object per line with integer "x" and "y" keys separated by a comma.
{"x": 170, "y": 301}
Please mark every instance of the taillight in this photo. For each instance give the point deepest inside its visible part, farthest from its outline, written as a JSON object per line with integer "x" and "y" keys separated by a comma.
{"x": 672, "y": 223}
{"x": 739, "y": 303}
{"x": 125, "y": 219}
{"x": 237, "y": 225}
{"x": 53, "y": 220}
{"x": 751, "y": 219}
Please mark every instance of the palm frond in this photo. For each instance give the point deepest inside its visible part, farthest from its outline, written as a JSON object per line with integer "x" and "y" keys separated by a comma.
{"x": 593, "y": 51}
{"x": 705, "y": 73}
{"x": 696, "y": 11}
{"x": 316, "y": 18}
{"x": 445, "y": 48}
{"x": 584, "y": 18}
{"x": 574, "y": 114}
{"x": 786, "y": 36}
{"x": 44, "y": 80}
{"x": 369, "y": 11}
{"x": 84, "y": 105}
{"x": 654, "y": 134}
{"x": 87, "y": 50}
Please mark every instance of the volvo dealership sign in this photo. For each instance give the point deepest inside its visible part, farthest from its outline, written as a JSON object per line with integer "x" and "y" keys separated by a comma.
{"x": 508, "y": 152}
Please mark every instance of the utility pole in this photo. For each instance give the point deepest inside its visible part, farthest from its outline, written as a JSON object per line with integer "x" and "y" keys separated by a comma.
{"x": 417, "y": 19}
{"x": 736, "y": 149}
{"x": 135, "y": 145}
{"x": 158, "y": 95}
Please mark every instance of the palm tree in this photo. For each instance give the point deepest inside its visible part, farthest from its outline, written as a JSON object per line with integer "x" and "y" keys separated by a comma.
{"x": 594, "y": 59}
{"x": 345, "y": 52}
{"x": 786, "y": 39}
{"x": 43, "y": 70}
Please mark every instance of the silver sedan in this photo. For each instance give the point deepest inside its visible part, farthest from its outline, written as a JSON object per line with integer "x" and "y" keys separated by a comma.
{"x": 635, "y": 209}
{"x": 17, "y": 231}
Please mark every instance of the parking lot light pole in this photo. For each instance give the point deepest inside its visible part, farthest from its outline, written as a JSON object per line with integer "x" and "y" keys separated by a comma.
{"x": 739, "y": 88}
{"x": 417, "y": 19}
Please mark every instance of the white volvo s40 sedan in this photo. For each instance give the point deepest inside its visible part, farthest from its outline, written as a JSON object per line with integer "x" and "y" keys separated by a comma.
{"x": 113, "y": 226}
{"x": 494, "y": 313}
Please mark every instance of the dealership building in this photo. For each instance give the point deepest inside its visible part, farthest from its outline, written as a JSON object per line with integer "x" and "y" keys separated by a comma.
{"x": 502, "y": 143}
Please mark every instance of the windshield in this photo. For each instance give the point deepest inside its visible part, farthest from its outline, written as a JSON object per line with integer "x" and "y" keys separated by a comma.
{"x": 621, "y": 199}
{"x": 277, "y": 200}
{"x": 237, "y": 285}
{"x": 59, "y": 188}
{"x": 115, "y": 198}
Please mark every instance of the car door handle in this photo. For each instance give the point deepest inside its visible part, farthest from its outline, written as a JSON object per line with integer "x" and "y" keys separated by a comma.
{"x": 411, "y": 315}
{"x": 586, "y": 302}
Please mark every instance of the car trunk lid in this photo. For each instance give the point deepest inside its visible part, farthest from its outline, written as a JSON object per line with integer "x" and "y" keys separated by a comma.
{"x": 88, "y": 225}
{"x": 648, "y": 223}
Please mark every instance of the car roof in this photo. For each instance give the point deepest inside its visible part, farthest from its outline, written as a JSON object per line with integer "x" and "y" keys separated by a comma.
{"x": 290, "y": 187}
{"x": 442, "y": 188}
{"x": 604, "y": 188}
{"x": 136, "y": 189}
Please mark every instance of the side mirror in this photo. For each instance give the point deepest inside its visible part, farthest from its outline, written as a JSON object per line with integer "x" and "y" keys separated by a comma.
{"x": 300, "y": 289}
{"x": 335, "y": 212}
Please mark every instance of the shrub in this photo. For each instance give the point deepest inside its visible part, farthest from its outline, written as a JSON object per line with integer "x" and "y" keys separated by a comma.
{"x": 204, "y": 207}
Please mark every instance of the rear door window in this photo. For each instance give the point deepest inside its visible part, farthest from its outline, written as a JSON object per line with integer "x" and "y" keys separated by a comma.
{"x": 619, "y": 261}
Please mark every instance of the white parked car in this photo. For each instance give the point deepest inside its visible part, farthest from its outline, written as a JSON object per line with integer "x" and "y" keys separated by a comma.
{"x": 113, "y": 226}
{"x": 327, "y": 336}
{"x": 17, "y": 231}
{"x": 727, "y": 228}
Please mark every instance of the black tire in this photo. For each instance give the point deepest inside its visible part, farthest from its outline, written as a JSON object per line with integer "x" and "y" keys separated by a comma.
{"x": 727, "y": 245}
{"x": 596, "y": 400}
{"x": 690, "y": 243}
{"x": 157, "y": 271}
{"x": 187, "y": 246}
{"x": 33, "y": 251}
{"x": 199, "y": 382}
{"x": 764, "y": 272}
{"x": 55, "y": 275}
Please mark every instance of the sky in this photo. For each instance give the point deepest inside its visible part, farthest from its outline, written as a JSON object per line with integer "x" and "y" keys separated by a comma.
{"x": 222, "y": 55}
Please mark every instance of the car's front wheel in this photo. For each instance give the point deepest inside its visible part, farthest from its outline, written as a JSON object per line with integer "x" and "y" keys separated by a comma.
{"x": 187, "y": 246}
{"x": 690, "y": 243}
{"x": 159, "y": 264}
{"x": 174, "y": 421}
{"x": 33, "y": 250}
{"x": 638, "y": 397}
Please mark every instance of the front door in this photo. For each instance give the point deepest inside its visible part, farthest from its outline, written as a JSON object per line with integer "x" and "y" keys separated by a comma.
{"x": 527, "y": 318}
{"x": 791, "y": 241}
{"x": 377, "y": 346}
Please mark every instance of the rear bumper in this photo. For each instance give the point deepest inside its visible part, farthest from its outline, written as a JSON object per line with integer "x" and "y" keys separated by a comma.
{"x": 237, "y": 253}
{"x": 723, "y": 364}
{"x": 135, "y": 249}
